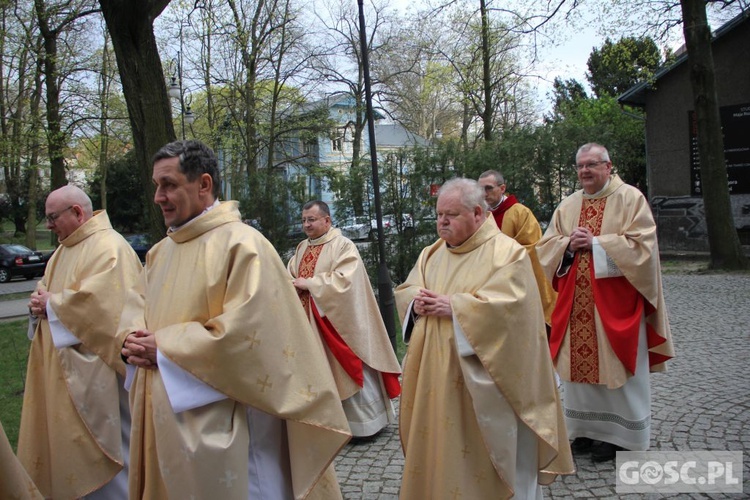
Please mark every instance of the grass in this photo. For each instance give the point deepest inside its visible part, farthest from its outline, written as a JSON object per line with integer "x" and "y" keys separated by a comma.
{"x": 44, "y": 239}
{"x": 14, "y": 352}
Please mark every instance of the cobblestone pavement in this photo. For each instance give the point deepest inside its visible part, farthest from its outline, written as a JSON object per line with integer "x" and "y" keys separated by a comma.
{"x": 701, "y": 403}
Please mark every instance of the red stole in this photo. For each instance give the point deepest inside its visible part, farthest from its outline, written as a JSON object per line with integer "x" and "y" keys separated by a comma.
{"x": 347, "y": 358}
{"x": 618, "y": 303}
{"x": 503, "y": 207}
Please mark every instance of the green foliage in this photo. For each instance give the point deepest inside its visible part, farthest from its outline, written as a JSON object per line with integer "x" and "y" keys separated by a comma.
{"x": 126, "y": 197}
{"x": 616, "y": 67}
{"x": 14, "y": 353}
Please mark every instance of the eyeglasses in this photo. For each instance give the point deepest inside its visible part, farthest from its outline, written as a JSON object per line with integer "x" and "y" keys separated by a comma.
{"x": 310, "y": 220}
{"x": 51, "y": 218}
{"x": 591, "y": 165}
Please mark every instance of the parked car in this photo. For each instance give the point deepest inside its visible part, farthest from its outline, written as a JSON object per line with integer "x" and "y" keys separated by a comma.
{"x": 18, "y": 260}
{"x": 141, "y": 243}
{"x": 389, "y": 225}
{"x": 355, "y": 228}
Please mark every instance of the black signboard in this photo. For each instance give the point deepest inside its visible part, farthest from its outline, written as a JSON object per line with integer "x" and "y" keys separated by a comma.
{"x": 735, "y": 124}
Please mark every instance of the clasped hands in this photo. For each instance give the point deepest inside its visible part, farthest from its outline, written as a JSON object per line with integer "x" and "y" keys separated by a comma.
{"x": 139, "y": 349}
{"x": 429, "y": 303}
{"x": 581, "y": 239}
{"x": 38, "y": 303}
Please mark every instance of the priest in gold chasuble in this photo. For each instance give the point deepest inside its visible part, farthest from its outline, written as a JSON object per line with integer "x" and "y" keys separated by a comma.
{"x": 610, "y": 326}
{"x": 230, "y": 391}
{"x": 480, "y": 415}
{"x": 75, "y": 422}
{"x": 335, "y": 291}
{"x": 518, "y": 221}
{"x": 14, "y": 480}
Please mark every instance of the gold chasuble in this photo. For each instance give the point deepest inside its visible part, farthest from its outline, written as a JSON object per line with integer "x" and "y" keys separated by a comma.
{"x": 222, "y": 307}
{"x": 70, "y": 438}
{"x": 460, "y": 413}
{"x": 14, "y": 480}
{"x": 519, "y": 223}
{"x": 340, "y": 288}
{"x": 592, "y": 341}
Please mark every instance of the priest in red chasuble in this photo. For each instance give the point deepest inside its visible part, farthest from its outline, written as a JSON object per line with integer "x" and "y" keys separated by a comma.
{"x": 335, "y": 291}
{"x": 518, "y": 221}
{"x": 610, "y": 326}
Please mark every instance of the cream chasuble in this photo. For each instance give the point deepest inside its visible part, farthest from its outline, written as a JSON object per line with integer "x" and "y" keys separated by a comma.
{"x": 624, "y": 228}
{"x": 340, "y": 288}
{"x": 460, "y": 412}
{"x": 14, "y": 480}
{"x": 520, "y": 224}
{"x": 222, "y": 308}
{"x": 70, "y": 438}
{"x": 342, "y": 292}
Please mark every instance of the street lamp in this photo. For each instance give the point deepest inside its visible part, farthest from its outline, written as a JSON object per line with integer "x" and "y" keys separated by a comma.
{"x": 385, "y": 290}
{"x": 176, "y": 90}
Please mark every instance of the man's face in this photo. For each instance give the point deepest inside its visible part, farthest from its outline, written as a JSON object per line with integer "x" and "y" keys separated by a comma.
{"x": 314, "y": 223}
{"x": 455, "y": 222}
{"x": 66, "y": 217}
{"x": 493, "y": 192}
{"x": 178, "y": 198}
{"x": 593, "y": 176}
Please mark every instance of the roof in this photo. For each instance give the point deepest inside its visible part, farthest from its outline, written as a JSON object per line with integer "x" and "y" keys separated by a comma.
{"x": 636, "y": 95}
{"x": 341, "y": 100}
{"x": 394, "y": 135}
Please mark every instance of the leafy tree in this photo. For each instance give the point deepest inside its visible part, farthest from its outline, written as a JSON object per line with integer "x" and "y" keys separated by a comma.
{"x": 125, "y": 194}
{"x": 724, "y": 242}
{"x": 616, "y": 67}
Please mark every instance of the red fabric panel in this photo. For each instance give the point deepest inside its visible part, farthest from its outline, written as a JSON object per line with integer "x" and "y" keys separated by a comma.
{"x": 620, "y": 308}
{"x": 349, "y": 361}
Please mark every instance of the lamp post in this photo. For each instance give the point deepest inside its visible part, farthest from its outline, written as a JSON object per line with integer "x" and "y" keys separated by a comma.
{"x": 385, "y": 291}
{"x": 176, "y": 90}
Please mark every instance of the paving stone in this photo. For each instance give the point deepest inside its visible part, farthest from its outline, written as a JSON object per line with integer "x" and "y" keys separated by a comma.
{"x": 701, "y": 402}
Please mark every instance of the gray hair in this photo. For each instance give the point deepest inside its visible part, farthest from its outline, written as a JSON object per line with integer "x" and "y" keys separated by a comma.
{"x": 603, "y": 153}
{"x": 499, "y": 179}
{"x": 195, "y": 158}
{"x": 470, "y": 192}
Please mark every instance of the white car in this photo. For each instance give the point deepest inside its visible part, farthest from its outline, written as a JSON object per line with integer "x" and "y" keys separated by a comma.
{"x": 355, "y": 228}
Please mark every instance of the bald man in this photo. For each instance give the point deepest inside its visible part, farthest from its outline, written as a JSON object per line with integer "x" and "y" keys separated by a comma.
{"x": 75, "y": 422}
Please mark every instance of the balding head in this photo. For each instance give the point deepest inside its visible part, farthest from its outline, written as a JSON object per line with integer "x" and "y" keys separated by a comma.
{"x": 67, "y": 209}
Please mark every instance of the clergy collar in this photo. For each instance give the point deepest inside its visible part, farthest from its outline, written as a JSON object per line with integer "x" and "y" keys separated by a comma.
{"x": 216, "y": 203}
{"x": 325, "y": 237}
{"x": 598, "y": 193}
{"x": 505, "y": 197}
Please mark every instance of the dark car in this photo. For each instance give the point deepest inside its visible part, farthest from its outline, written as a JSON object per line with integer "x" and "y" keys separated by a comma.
{"x": 18, "y": 260}
{"x": 141, "y": 243}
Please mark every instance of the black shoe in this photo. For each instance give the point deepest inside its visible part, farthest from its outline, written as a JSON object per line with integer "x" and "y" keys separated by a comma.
{"x": 605, "y": 452}
{"x": 581, "y": 445}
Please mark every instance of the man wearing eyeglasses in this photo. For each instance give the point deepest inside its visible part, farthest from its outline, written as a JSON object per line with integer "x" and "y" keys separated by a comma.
{"x": 335, "y": 291}
{"x": 609, "y": 326}
{"x": 75, "y": 422}
{"x": 517, "y": 221}
{"x": 231, "y": 395}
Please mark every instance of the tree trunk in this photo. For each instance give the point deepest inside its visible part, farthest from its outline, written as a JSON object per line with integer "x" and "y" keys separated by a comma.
{"x": 130, "y": 25}
{"x": 723, "y": 240}
{"x": 486, "y": 77}
{"x": 55, "y": 138}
